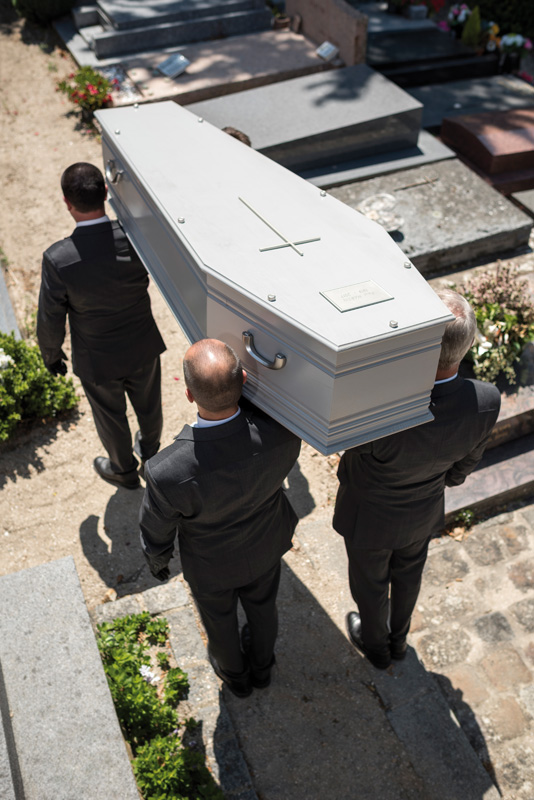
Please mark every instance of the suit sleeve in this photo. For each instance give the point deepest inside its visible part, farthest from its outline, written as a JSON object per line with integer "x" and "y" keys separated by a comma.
{"x": 52, "y": 313}
{"x": 158, "y": 522}
{"x": 459, "y": 471}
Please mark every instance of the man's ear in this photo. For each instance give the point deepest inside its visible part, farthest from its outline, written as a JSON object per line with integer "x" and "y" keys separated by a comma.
{"x": 69, "y": 205}
{"x": 189, "y": 395}
{"x": 244, "y": 377}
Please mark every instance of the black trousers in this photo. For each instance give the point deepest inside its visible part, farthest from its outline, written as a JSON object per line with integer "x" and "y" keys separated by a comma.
{"x": 385, "y": 615}
{"x": 108, "y": 404}
{"x": 218, "y": 611}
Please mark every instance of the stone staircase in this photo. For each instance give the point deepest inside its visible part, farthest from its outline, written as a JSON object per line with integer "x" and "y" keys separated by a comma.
{"x": 112, "y": 28}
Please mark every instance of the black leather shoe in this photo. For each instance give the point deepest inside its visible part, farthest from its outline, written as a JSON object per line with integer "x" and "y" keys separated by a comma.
{"x": 241, "y": 687}
{"x": 261, "y": 679}
{"x": 128, "y": 480}
{"x": 354, "y": 629}
{"x": 398, "y": 650}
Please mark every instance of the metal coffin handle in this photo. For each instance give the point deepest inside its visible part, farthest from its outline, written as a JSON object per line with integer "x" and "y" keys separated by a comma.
{"x": 279, "y": 359}
{"x": 113, "y": 174}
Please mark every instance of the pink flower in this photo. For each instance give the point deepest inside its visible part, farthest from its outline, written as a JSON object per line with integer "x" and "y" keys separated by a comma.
{"x": 526, "y": 77}
{"x": 527, "y": 44}
{"x": 444, "y": 26}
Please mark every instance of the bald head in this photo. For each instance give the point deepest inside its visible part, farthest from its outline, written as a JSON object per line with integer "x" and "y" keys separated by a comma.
{"x": 214, "y": 375}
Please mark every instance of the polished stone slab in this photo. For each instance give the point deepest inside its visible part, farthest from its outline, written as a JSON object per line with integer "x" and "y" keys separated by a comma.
{"x": 386, "y": 47}
{"x": 112, "y": 42}
{"x": 497, "y": 142}
{"x": 428, "y": 150}
{"x": 471, "y": 96}
{"x": 64, "y": 726}
{"x": 450, "y": 215}
{"x": 312, "y": 121}
{"x": 140, "y": 13}
{"x": 8, "y": 321}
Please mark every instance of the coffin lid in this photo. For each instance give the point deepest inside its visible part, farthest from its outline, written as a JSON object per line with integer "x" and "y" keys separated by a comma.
{"x": 199, "y": 178}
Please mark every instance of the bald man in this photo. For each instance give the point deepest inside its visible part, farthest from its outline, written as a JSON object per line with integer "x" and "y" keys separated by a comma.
{"x": 219, "y": 486}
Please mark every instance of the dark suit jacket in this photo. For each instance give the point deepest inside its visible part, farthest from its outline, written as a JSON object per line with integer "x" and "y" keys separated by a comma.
{"x": 391, "y": 491}
{"x": 96, "y": 278}
{"x": 221, "y": 487}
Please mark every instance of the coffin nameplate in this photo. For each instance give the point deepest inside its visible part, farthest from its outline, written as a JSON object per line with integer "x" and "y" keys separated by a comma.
{"x": 359, "y": 295}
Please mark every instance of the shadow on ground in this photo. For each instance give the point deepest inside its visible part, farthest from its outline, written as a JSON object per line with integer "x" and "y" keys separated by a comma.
{"x": 112, "y": 545}
{"x": 20, "y": 455}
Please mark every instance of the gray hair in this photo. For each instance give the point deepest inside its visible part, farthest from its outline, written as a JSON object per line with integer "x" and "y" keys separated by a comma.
{"x": 459, "y": 334}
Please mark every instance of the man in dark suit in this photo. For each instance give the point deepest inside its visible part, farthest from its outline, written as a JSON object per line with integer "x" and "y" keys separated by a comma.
{"x": 219, "y": 485}
{"x": 96, "y": 279}
{"x": 391, "y": 494}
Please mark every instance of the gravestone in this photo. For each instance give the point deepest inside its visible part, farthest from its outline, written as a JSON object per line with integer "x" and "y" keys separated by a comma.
{"x": 451, "y": 216}
{"x": 315, "y": 120}
{"x": 339, "y": 335}
{"x": 127, "y": 27}
{"x": 471, "y": 96}
{"x": 500, "y": 145}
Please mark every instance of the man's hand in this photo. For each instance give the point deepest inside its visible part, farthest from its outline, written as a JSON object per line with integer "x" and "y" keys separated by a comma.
{"x": 59, "y": 367}
{"x": 163, "y": 575}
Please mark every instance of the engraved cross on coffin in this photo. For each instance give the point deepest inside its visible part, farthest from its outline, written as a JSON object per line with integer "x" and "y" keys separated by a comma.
{"x": 339, "y": 333}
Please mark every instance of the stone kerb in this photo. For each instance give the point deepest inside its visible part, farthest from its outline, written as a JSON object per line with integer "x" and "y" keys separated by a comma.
{"x": 57, "y": 712}
{"x": 333, "y": 21}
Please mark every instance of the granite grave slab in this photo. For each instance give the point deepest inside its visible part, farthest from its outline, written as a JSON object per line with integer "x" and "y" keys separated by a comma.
{"x": 141, "y": 13}
{"x": 497, "y": 142}
{"x": 450, "y": 215}
{"x": 319, "y": 120}
{"x": 61, "y": 715}
{"x": 471, "y": 96}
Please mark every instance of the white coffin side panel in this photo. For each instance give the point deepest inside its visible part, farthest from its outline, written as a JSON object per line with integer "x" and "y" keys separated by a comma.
{"x": 350, "y": 376}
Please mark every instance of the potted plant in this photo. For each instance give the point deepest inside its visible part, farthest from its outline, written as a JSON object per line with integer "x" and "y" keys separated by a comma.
{"x": 512, "y": 47}
{"x": 88, "y": 90}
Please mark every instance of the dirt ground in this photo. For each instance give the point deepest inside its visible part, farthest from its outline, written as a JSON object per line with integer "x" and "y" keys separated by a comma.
{"x": 52, "y": 502}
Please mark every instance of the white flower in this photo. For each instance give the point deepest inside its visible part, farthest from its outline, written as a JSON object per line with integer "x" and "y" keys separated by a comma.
{"x": 481, "y": 343}
{"x": 491, "y": 46}
{"x": 462, "y": 16}
{"x": 5, "y": 360}
{"x": 148, "y": 675}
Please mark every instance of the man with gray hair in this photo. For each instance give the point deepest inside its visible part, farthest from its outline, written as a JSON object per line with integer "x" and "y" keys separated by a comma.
{"x": 391, "y": 495}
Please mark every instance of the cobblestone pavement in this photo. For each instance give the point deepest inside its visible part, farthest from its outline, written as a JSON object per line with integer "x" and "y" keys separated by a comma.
{"x": 473, "y": 630}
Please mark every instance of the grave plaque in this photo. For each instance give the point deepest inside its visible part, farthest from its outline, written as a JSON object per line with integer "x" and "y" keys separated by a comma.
{"x": 339, "y": 333}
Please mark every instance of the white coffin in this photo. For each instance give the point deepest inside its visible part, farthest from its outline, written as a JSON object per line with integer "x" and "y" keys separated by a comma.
{"x": 349, "y": 329}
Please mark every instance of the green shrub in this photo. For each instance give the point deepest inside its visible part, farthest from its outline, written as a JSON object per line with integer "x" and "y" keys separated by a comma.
{"x": 505, "y": 321}
{"x": 27, "y": 390}
{"x": 511, "y": 15}
{"x": 43, "y": 11}
{"x": 165, "y": 770}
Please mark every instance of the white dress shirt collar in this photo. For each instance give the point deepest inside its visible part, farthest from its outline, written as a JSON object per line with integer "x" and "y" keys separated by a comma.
{"x": 84, "y": 222}
{"x": 211, "y": 423}
{"x": 446, "y": 380}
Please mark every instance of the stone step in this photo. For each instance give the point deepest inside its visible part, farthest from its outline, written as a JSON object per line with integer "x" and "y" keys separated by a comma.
{"x": 62, "y": 731}
{"x": 113, "y": 43}
{"x": 8, "y": 322}
{"x": 7, "y": 787}
{"x": 506, "y": 473}
{"x": 143, "y": 13}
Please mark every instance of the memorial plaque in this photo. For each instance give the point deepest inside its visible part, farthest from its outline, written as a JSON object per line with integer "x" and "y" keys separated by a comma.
{"x": 358, "y": 295}
{"x": 245, "y": 251}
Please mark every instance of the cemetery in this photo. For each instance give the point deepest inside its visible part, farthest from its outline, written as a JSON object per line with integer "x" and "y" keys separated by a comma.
{"x": 397, "y": 159}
